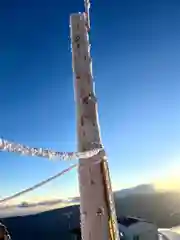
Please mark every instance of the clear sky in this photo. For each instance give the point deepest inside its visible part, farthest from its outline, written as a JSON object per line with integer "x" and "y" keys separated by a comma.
{"x": 136, "y": 57}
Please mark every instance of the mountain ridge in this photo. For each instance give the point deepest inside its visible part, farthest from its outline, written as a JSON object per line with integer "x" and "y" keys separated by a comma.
{"x": 28, "y": 208}
{"x": 54, "y": 224}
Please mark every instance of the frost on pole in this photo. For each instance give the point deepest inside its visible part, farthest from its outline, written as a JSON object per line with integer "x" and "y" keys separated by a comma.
{"x": 98, "y": 216}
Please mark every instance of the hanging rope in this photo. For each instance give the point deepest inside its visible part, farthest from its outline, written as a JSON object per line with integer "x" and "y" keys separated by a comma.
{"x": 37, "y": 185}
{"x": 42, "y": 183}
{"x": 8, "y": 146}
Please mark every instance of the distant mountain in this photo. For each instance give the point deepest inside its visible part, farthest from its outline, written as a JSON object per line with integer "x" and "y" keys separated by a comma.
{"x": 157, "y": 207}
{"x": 27, "y": 208}
{"x": 140, "y": 189}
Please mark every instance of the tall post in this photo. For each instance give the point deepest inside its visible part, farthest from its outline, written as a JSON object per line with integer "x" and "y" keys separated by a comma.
{"x": 98, "y": 216}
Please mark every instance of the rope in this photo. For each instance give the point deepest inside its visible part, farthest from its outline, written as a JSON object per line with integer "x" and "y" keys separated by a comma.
{"x": 8, "y": 146}
{"x": 37, "y": 185}
{"x": 47, "y": 181}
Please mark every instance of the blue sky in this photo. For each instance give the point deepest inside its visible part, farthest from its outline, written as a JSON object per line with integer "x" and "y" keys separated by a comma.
{"x": 136, "y": 55}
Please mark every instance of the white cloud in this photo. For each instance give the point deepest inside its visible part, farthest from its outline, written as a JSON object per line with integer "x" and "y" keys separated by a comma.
{"x": 34, "y": 208}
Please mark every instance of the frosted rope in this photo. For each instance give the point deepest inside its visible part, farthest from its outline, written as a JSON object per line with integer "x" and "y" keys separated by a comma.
{"x": 46, "y": 181}
{"x": 8, "y": 146}
{"x": 37, "y": 185}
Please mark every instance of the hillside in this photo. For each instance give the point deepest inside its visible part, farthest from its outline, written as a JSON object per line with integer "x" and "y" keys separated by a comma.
{"x": 156, "y": 207}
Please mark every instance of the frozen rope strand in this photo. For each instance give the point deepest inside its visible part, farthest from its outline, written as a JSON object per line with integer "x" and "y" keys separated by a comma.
{"x": 37, "y": 185}
{"x": 8, "y": 146}
{"x": 42, "y": 183}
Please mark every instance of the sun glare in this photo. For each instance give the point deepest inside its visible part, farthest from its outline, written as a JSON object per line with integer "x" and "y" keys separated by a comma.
{"x": 170, "y": 180}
